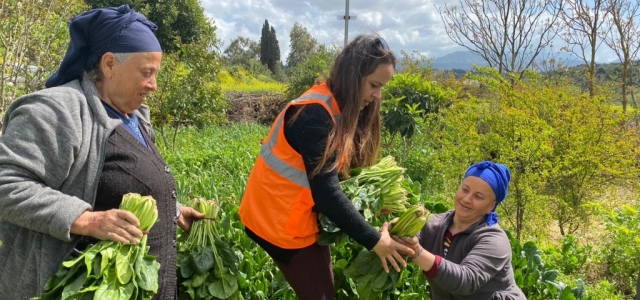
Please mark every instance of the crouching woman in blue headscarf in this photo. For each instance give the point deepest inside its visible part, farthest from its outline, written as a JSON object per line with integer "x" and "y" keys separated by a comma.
{"x": 69, "y": 153}
{"x": 464, "y": 253}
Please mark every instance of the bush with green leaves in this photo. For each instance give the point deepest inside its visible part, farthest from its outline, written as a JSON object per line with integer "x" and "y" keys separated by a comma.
{"x": 536, "y": 280}
{"x": 571, "y": 255}
{"x": 33, "y": 40}
{"x": 188, "y": 92}
{"x": 621, "y": 252}
{"x": 408, "y": 97}
{"x": 408, "y": 101}
{"x": 312, "y": 70}
{"x": 563, "y": 147}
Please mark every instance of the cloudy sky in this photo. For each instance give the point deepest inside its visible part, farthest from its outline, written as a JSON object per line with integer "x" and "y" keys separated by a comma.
{"x": 406, "y": 24}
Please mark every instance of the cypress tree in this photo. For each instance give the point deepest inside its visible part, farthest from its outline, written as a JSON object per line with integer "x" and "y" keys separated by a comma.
{"x": 265, "y": 44}
{"x": 274, "y": 59}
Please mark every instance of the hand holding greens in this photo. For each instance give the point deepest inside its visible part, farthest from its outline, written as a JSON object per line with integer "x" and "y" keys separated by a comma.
{"x": 110, "y": 270}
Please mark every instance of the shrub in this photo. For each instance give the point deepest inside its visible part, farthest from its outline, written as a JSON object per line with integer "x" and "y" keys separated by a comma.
{"x": 621, "y": 252}
{"x": 311, "y": 71}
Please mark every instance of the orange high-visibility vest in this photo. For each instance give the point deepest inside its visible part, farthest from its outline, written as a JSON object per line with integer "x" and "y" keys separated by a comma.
{"x": 277, "y": 203}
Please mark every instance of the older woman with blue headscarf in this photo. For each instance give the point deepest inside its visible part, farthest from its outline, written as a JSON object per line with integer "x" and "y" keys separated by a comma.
{"x": 69, "y": 153}
{"x": 464, "y": 253}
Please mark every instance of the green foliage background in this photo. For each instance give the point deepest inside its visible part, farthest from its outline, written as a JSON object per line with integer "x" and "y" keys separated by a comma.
{"x": 572, "y": 208}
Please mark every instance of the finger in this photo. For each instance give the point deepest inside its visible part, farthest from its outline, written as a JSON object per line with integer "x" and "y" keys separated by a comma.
{"x": 195, "y": 213}
{"x": 403, "y": 248}
{"x": 403, "y": 253}
{"x": 384, "y": 264}
{"x": 385, "y": 227}
{"x": 397, "y": 239}
{"x": 126, "y": 236}
{"x": 128, "y": 229}
{"x": 129, "y": 217}
{"x": 410, "y": 240}
{"x": 393, "y": 263}
{"x": 398, "y": 257}
{"x": 408, "y": 250}
{"x": 116, "y": 238}
{"x": 186, "y": 226}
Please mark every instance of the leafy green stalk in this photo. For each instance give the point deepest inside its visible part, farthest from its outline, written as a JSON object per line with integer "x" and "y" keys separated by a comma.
{"x": 411, "y": 222}
{"x": 208, "y": 266}
{"x": 109, "y": 270}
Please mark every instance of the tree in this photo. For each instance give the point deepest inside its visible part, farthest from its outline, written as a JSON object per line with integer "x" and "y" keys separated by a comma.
{"x": 310, "y": 71}
{"x": 188, "y": 94}
{"x": 242, "y": 51}
{"x": 623, "y": 37}
{"x": 269, "y": 47}
{"x": 179, "y": 21}
{"x": 302, "y": 45}
{"x": 508, "y": 34}
{"x": 265, "y": 44}
{"x": 408, "y": 99}
{"x": 33, "y": 40}
{"x": 564, "y": 148}
{"x": 582, "y": 23}
{"x": 274, "y": 59}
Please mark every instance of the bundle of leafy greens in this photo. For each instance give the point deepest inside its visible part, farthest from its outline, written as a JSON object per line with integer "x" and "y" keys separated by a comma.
{"x": 110, "y": 270}
{"x": 208, "y": 266}
{"x": 366, "y": 270}
{"x": 375, "y": 190}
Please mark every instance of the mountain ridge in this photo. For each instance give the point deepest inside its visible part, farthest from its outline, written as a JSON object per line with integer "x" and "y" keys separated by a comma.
{"x": 464, "y": 60}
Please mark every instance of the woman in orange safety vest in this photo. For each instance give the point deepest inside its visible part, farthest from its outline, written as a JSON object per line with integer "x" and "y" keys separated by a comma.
{"x": 331, "y": 128}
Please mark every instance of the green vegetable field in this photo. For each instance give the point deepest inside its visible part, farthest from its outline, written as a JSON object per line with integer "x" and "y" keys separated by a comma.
{"x": 569, "y": 134}
{"x": 214, "y": 164}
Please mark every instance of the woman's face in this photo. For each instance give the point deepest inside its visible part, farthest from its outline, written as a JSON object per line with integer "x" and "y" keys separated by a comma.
{"x": 373, "y": 83}
{"x": 127, "y": 84}
{"x": 474, "y": 199}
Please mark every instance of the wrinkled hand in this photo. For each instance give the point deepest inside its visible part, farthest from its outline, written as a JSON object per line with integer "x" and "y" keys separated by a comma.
{"x": 187, "y": 216}
{"x": 116, "y": 225}
{"x": 390, "y": 251}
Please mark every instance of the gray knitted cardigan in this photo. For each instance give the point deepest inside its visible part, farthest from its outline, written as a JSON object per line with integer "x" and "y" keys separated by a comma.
{"x": 51, "y": 155}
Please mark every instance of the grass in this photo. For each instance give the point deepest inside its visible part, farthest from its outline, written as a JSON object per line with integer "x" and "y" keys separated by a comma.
{"x": 215, "y": 162}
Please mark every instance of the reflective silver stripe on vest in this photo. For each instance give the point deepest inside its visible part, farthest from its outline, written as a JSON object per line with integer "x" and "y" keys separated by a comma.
{"x": 324, "y": 98}
{"x": 278, "y": 165}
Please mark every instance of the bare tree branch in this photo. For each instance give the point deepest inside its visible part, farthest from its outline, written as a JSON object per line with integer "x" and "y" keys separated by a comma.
{"x": 508, "y": 34}
{"x": 583, "y": 20}
{"x": 623, "y": 36}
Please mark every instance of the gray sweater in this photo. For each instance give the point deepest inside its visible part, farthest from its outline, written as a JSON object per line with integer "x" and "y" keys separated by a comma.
{"x": 51, "y": 155}
{"x": 478, "y": 263}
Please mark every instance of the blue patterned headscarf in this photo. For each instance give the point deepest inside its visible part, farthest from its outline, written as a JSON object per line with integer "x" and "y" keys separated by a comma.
{"x": 98, "y": 31}
{"x": 498, "y": 177}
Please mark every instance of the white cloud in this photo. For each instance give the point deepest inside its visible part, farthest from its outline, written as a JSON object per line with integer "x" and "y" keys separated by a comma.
{"x": 409, "y": 25}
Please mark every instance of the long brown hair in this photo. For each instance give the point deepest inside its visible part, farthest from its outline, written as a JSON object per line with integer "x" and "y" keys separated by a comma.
{"x": 357, "y": 132}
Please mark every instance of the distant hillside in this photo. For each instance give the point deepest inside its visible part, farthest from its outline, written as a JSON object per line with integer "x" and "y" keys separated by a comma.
{"x": 464, "y": 60}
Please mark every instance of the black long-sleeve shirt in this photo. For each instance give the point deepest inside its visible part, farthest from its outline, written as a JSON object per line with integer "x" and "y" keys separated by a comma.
{"x": 307, "y": 135}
